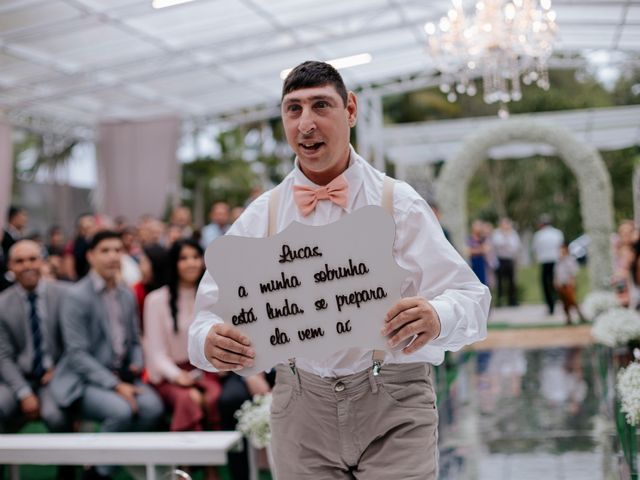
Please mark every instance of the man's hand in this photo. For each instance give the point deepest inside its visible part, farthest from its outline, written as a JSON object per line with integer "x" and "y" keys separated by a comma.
{"x": 30, "y": 407}
{"x": 46, "y": 378}
{"x": 257, "y": 385}
{"x": 408, "y": 317}
{"x": 128, "y": 391}
{"x": 227, "y": 348}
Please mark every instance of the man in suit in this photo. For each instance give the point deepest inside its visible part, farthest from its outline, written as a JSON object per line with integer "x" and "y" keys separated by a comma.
{"x": 99, "y": 371}
{"x": 17, "y": 219}
{"x": 30, "y": 342}
{"x": 5, "y": 281}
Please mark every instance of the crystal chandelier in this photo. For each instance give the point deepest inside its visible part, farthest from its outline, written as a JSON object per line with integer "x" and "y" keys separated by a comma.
{"x": 505, "y": 42}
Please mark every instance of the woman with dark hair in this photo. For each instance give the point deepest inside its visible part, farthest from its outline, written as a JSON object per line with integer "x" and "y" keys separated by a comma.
{"x": 153, "y": 267}
{"x": 191, "y": 394}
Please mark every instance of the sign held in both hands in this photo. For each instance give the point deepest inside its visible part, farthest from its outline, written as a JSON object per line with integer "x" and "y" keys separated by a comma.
{"x": 309, "y": 291}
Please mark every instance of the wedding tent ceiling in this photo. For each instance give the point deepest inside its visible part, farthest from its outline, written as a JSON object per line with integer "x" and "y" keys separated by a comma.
{"x": 73, "y": 63}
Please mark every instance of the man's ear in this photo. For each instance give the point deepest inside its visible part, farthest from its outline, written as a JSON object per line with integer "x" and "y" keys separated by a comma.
{"x": 352, "y": 109}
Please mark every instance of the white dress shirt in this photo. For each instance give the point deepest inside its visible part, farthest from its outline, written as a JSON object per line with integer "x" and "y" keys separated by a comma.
{"x": 546, "y": 244}
{"x": 506, "y": 244}
{"x": 437, "y": 272}
{"x": 209, "y": 233}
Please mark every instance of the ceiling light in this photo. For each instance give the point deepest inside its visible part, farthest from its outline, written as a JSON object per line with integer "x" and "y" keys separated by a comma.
{"x": 503, "y": 42}
{"x": 168, "y": 3}
{"x": 340, "y": 63}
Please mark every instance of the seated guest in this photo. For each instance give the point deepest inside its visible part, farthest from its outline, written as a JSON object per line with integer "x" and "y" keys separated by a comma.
{"x": 17, "y": 219}
{"x": 153, "y": 267}
{"x": 99, "y": 372}
{"x": 30, "y": 345}
{"x": 30, "y": 341}
{"x": 191, "y": 394}
{"x": 74, "y": 260}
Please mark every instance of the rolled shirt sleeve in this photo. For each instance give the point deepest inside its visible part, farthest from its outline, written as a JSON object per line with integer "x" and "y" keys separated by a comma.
{"x": 441, "y": 276}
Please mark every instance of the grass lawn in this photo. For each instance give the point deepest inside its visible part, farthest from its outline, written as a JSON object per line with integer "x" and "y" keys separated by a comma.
{"x": 529, "y": 288}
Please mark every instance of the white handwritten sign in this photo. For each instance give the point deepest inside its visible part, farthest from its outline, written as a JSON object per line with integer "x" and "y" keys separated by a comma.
{"x": 309, "y": 291}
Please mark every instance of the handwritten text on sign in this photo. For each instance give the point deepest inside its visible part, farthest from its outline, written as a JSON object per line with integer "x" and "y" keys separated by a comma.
{"x": 309, "y": 291}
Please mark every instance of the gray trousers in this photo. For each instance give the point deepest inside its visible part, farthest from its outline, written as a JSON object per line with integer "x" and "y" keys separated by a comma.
{"x": 361, "y": 426}
{"x": 115, "y": 414}
{"x": 51, "y": 414}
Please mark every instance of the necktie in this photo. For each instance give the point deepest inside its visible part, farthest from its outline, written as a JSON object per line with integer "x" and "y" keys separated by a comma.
{"x": 307, "y": 197}
{"x": 37, "y": 368}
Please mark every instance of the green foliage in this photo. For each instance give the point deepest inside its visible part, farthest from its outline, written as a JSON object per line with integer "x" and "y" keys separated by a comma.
{"x": 623, "y": 93}
{"x": 621, "y": 164}
{"x": 229, "y": 176}
{"x": 568, "y": 91}
{"x": 523, "y": 189}
{"x": 31, "y": 154}
{"x": 529, "y": 287}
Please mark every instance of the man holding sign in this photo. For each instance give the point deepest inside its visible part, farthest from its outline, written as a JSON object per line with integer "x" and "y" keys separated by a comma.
{"x": 358, "y": 413}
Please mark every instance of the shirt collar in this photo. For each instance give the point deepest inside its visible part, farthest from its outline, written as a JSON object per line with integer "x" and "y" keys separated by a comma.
{"x": 99, "y": 284}
{"x": 24, "y": 294}
{"x": 15, "y": 233}
{"x": 353, "y": 174}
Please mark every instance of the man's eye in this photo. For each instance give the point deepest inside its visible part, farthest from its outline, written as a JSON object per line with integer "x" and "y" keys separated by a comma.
{"x": 321, "y": 104}
{"x": 293, "y": 108}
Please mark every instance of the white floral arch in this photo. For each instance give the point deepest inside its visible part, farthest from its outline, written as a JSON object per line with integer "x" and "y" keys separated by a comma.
{"x": 594, "y": 183}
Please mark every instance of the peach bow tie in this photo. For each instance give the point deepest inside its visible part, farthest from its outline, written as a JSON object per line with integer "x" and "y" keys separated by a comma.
{"x": 307, "y": 197}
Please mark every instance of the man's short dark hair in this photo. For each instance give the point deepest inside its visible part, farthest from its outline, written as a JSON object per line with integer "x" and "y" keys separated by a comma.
{"x": 311, "y": 74}
{"x": 81, "y": 216}
{"x": 103, "y": 235}
{"x": 13, "y": 211}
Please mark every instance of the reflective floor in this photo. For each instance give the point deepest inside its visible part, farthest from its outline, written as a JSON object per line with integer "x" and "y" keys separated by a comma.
{"x": 510, "y": 413}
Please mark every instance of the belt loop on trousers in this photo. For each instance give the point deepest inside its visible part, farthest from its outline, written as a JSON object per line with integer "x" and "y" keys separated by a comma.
{"x": 378, "y": 358}
{"x": 295, "y": 373}
{"x": 292, "y": 365}
{"x": 372, "y": 381}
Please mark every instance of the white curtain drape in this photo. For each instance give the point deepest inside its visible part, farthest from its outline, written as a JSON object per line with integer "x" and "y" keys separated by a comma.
{"x": 6, "y": 169}
{"x": 138, "y": 172}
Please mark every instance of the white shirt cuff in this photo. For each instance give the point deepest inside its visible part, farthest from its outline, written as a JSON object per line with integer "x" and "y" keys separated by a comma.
{"x": 447, "y": 317}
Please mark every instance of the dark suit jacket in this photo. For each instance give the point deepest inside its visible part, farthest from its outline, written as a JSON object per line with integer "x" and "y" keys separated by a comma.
{"x": 7, "y": 243}
{"x": 16, "y": 344}
{"x": 88, "y": 357}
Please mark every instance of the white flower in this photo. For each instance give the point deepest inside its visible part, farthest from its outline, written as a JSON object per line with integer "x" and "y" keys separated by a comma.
{"x": 629, "y": 391}
{"x": 253, "y": 420}
{"x": 616, "y": 327}
{"x": 598, "y": 302}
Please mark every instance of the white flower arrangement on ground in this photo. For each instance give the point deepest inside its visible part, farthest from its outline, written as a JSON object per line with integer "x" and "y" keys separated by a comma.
{"x": 616, "y": 327}
{"x": 629, "y": 390}
{"x": 598, "y": 302}
{"x": 253, "y": 420}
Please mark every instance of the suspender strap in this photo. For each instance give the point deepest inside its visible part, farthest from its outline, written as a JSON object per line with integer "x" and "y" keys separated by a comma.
{"x": 387, "y": 194}
{"x": 274, "y": 202}
{"x": 386, "y": 202}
